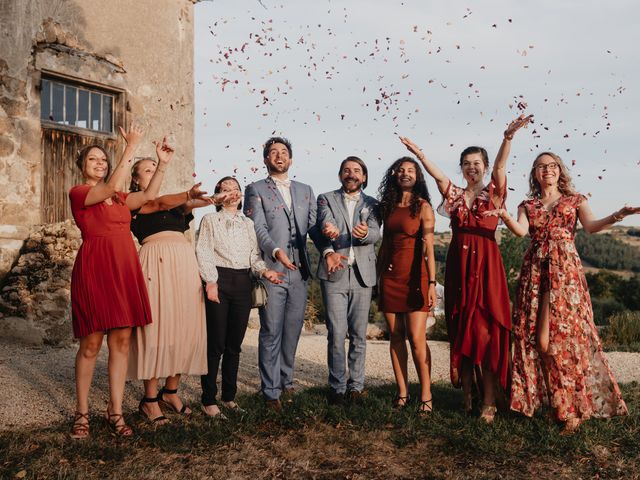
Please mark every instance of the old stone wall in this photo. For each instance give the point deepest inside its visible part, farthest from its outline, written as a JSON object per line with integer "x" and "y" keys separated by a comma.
{"x": 143, "y": 48}
{"x": 35, "y": 300}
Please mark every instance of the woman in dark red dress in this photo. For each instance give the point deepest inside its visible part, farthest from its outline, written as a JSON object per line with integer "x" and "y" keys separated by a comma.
{"x": 108, "y": 292}
{"x": 406, "y": 265}
{"x": 476, "y": 294}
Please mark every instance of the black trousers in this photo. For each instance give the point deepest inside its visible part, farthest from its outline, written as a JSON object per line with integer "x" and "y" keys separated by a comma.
{"x": 226, "y": 326}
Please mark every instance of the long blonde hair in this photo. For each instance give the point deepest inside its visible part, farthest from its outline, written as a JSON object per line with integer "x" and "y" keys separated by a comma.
{"x": 565, "y": 185}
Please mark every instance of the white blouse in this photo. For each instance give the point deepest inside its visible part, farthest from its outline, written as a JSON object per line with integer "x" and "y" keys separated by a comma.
{"x": 229, "y": 241}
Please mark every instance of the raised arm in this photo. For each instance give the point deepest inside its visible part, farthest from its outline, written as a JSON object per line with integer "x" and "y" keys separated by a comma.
{"x": 104, "y": 190}
{"x": 185, "y": 199}
{"x": 432, "y": 169}
{"x": 593, "y": 225}
{"x": 500, "y": 165}
{"x": 165, "y": 153}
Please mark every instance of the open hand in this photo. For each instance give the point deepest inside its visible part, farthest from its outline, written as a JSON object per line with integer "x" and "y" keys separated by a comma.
{"x": 134, "y": 135}
{"x": 221, "y": 198}
{"x": 501, "y": 213}
{"x": 273, "y": 276}
{"x": 516, "y": 125}
{"x": 626, "y": 211}
{"x": 284, "y": 260}
{"x": 335, "y": 262}
{"x": 164, "y": 151}
{"x": 412, "y": 147}
{"x": 196, "y": 194}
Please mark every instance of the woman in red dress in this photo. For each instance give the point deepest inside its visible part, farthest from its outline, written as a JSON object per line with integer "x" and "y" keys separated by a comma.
{"x": 407, "y": 281}
{"x": 476, "y": 295}
{"x": 558, "y": 356}
{"x": 108, "y": 292}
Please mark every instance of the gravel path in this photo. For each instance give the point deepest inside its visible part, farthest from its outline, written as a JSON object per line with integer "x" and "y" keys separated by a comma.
{"x": 38, "y": 383}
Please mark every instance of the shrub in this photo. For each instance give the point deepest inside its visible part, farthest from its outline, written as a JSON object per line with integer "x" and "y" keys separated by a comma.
{"x": 439, "y": 331}
{"x": 603, "y": 308}
{"x": 623, "y": 332}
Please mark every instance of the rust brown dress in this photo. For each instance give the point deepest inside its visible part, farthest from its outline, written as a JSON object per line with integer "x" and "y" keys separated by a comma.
{"x": 404, "y": 283}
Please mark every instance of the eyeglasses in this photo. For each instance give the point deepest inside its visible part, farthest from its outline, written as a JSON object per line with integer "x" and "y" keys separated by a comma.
{"x": 547, "y": 166}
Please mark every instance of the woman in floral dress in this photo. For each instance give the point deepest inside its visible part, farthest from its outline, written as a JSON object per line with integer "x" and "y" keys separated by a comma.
{"x": 476, "y": 294}
{"x": 558, "y": 356}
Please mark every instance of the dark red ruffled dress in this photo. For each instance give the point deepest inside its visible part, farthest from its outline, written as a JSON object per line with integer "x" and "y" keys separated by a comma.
{"x": 476, "y": 294}
{"x": 107, "y": 286}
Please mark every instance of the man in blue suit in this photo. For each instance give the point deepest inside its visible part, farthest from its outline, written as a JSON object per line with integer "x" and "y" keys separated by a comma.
{"x": 283, "y": 212}
{"x": 349, "y": 220}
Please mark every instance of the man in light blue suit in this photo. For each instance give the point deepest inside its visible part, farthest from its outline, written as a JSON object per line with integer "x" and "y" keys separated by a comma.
{"x": 349, "y": 219}
{"x": 283, "y": 212}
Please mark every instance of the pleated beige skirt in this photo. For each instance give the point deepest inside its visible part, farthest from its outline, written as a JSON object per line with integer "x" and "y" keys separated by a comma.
{"x": 176, "y": 340}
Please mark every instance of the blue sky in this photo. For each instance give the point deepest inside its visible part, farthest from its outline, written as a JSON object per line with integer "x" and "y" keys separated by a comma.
{"x": 343, "y": 78}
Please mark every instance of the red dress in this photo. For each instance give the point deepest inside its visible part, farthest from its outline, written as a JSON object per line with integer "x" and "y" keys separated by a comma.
{"x": 404, "y": 283}
{"x": 581, "y": 384}
{"x": 476, "y": 294}
{"x": 107, "y": 286}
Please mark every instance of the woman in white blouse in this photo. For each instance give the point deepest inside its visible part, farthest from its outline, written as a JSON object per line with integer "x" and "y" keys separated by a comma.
{"x": 228, "y": 255}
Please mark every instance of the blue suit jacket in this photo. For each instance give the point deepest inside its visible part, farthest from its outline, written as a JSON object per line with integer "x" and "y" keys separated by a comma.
{"x": 273, "y": 221}
{"x": 332, "y": 209}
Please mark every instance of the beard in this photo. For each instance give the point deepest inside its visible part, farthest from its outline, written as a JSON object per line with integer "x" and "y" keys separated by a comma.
{"x": 351, "y": 185}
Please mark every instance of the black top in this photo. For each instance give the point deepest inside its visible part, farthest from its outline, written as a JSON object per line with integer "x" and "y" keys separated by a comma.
{"x": 146, "y": 224}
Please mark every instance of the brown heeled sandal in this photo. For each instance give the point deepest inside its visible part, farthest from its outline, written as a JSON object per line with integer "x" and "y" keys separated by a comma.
{"x": 400, "y": 403}
{"x": 425, "y": 407}
{"x": 80, "y": 431}
{"x": 112, "y": 419}
{"x": 488, "y": 413}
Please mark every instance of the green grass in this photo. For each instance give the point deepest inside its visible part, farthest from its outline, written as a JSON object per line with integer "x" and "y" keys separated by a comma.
{"x": 310, "y": 439}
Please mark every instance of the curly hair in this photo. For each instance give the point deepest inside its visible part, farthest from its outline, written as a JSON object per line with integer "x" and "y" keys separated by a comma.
{"x": 389, "y": 193}
{"x": 565, "y": 185}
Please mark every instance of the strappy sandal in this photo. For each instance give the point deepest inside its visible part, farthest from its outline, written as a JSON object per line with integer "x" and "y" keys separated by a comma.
{"x": 164, "y": 403}
{"x": 488, "y": 413}
{"x": 79, "y": 430}
{"x": 401, "y": 402}
{"x": 425, "y": 407}
{"x": 112, "y": 419}
{"x": 159, "y": 420}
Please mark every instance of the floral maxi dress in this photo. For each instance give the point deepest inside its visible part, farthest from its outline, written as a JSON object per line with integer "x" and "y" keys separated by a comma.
{"x": 580, "y": 382}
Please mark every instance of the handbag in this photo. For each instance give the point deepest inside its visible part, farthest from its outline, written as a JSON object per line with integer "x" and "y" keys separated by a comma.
{"x": 259, "y": 294}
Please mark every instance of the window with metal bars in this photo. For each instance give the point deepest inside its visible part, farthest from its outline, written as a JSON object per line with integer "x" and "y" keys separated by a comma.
{"x": 77, "y": 106}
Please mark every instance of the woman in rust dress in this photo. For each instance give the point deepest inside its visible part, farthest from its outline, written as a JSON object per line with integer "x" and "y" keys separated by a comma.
{"x": 108, "y": 292}
{"x": 406, "y": 265}
{"x": 558, "y": 356}
{"x": 476, "y": 294}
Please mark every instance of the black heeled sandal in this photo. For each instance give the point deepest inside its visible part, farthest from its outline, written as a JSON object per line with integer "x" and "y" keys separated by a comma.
{"x": 401, "y": 402}
{"x": 156, "y": 420}
{"x": 425, "y": 407}
{"x": 163, "y": 402}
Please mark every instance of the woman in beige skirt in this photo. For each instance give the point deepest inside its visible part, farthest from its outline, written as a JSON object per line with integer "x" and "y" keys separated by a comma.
{"x": 175, "y": 342}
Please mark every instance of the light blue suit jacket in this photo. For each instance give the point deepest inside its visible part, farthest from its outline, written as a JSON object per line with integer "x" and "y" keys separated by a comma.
{"x": 332, "y": 209}
{"x": 273, "y": 222}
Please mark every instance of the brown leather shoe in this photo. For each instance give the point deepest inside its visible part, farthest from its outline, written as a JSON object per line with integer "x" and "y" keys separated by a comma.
{"x": 357, "y": 396}
{"x": 274, "y": 405}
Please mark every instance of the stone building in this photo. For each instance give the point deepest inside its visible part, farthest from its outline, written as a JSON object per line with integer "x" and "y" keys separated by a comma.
{"x": 71, "y": 72}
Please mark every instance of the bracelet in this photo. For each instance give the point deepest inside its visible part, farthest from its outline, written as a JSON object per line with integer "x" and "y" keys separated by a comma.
{"x": 188, "y": 196}
{"x": 508, "y": 137}
{"x": 432, "y": 282}
{"x": 617, "y": 217}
